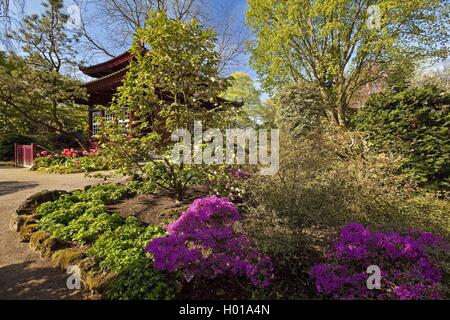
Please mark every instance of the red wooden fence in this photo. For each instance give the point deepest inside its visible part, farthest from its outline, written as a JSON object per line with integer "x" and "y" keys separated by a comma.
{"x": 24, "y": 155}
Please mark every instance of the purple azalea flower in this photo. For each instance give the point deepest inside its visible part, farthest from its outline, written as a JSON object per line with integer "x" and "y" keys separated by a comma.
{"x": 408, "y": 269}
{"x": 202, "y": 242}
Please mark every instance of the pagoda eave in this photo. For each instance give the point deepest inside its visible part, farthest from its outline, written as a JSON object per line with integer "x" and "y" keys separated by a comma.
{"x": 106, "y": 68}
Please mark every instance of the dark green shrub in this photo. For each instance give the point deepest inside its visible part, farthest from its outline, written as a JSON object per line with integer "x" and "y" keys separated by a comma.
{"x": 300, "y": 109}
{"x": 416, "y": 124}
{"x": 60, "y": 141}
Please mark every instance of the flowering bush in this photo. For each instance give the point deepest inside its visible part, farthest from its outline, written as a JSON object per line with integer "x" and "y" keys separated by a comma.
{"x": 66, "y": 153}
{"x": 202, "y": 242}
{"x": 409, "y": 265}
{"x": 227, "y": 182}
{"x": 69, "y": 161}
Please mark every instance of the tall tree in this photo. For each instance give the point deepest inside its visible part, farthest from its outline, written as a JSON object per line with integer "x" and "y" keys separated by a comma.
{"x": 341, "y": 45}
{"x": 38, "y": 102}
{"x": 45, "y": 39}
{"x": 34, "y": 87}
{"x": 166, "y": 88}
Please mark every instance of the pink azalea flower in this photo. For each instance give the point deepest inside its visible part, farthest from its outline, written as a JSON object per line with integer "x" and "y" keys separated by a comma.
{"x": 44, "y": 153}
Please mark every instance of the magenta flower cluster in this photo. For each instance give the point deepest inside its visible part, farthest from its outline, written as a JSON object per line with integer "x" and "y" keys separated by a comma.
{"x": 203, "y": 242}
{"x": 409, "y": 264}
{"x": 238, "y": 173}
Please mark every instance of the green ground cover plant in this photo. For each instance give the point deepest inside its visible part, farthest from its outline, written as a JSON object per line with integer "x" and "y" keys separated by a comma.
{"x": 117, "y": 244}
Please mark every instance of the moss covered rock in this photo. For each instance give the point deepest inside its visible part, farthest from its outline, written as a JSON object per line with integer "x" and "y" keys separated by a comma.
{"x": 67, "y": 257}
{"x": 97, "y": 281}
{"x": 88, "y": 264}
{"x": 50, "y": 245}
{"x": 27, "y": 231}
{"x": 38, "y": 238}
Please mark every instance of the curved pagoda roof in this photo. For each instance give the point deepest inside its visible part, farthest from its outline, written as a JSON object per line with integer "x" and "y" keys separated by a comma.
{"x": 108, "y": 67}
{"x": 108, "y": 76}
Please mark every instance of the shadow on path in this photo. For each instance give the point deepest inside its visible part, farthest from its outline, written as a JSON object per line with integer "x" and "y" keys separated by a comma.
{"x": 8, "y": 187}
{"x": 23, "y": 281}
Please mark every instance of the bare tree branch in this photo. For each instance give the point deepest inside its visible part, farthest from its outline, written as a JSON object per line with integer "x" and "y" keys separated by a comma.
{"x": 118, "y": 20}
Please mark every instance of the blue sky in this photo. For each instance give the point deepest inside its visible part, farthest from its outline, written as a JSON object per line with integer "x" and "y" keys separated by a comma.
{"x": 239, "y": 8}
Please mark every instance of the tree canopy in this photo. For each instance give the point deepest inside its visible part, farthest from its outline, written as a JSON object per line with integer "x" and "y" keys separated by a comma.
{"x": 342, "y": 45}
{"x": 172, "y": 81}
{"x": 36, "y": 95}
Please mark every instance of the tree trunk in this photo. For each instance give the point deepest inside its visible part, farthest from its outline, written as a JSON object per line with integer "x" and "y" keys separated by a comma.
{"x": 341, "y": 115}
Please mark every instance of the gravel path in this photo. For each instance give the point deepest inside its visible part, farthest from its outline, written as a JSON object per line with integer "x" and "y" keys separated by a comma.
{"x": 23, "y": 273}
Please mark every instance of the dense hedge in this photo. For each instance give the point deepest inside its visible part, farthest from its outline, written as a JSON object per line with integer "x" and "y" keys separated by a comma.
{"x": 415, "y": 123}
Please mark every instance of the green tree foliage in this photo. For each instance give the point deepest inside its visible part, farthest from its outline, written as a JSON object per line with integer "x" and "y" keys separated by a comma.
{"x": 172, "y": 81}
{"x": 268, "y": 113}
{"x": 415, "y": 123}
{"x": 37, "y": 102}
{"x": 7, "y": 142}
{"x": 36, "y": 97}
{"x": 173, "y": 77}
{"x": 242, "y": 89}
{"x": 45, "y": 39}
{"x": 330, "y": 43}
{"x": 255, "y": 112}
{"x": 300, "y": 109}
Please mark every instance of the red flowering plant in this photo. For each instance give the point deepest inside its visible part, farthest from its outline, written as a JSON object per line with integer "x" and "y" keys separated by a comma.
{"x": 203, "y": 243}
{"x": 68, "y": 161}
{"x": 410, "y": 265}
